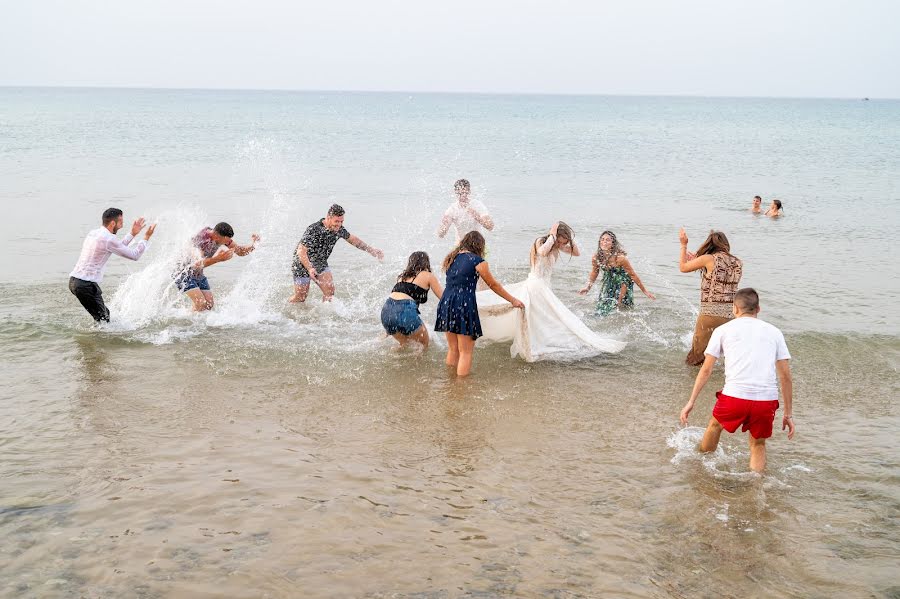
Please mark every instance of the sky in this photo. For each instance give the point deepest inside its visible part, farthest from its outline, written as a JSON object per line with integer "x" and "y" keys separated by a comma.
{"x": 776, "y": 48}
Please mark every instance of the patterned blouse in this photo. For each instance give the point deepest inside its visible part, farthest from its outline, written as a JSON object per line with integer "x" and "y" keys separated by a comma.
{"x": 718, "y": 286}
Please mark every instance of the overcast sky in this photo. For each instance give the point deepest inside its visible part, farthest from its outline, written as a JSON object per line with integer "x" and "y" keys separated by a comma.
{"x": 818, "y": 48}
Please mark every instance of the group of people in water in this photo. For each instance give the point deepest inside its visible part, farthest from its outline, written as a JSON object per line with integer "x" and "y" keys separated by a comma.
{"x": 774, "y": 210}
{"x": 474, "y": 304}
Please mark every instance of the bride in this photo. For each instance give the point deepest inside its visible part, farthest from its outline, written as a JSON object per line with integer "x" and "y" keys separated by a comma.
{"x": 546, "y": 329}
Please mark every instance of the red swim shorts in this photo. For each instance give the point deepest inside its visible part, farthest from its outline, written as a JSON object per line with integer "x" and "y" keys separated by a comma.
{"x": 755, "y": 416}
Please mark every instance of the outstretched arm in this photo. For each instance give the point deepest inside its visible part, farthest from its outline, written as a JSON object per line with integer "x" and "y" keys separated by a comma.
{"x": 595, "y": 271}
{"x": 624, "y": 263}
{"x": 360, "y": 244}
{"x": 495, "y": 285}
{"x": 243, "y": 250}
{"x": 702, "y": 377}
{"x": 120, "y": 248}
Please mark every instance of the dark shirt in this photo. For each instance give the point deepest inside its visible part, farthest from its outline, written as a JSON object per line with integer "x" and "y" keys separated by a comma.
{"x": 418, "y": 294}
{"x": 319, "y": 242}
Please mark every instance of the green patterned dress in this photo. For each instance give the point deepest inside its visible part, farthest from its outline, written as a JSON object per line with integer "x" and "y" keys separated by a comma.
{"x": 613, "y": 279}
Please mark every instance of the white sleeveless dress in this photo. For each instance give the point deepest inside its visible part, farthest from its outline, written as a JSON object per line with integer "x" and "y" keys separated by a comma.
{"x": 546, "y": 329}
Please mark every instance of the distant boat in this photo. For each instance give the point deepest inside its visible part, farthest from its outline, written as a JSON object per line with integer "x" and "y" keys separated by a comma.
{"x": 865, "y": 99}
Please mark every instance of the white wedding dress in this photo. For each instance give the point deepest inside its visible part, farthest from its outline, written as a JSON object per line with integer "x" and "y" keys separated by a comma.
{"x": 545, "y": 329}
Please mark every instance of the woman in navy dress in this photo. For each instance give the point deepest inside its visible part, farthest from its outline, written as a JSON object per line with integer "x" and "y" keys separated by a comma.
{"x": 457, "y": 313}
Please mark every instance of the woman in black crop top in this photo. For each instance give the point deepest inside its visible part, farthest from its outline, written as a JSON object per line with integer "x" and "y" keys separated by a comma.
{"x": 400, "y": 314}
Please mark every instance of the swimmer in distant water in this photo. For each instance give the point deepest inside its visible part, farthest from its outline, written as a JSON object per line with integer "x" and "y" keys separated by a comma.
{"x": 99, "y": 245}
{"x": 206, "y": 250}
{"x": 775, "y": 209}
{"x": 757, "y": 205}
{"x": 310, "y": 261}
{"x": 756, "y": 360}
{"x": 465, "y": 214}
{"x": 400, "y": 314}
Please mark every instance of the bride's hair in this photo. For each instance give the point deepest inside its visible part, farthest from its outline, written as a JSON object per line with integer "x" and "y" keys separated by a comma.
{"x": 418, "y": 262}
{"x": 603, "y": 257}
{"x": 473, "y": 242}
{"x": 563, "y": 231}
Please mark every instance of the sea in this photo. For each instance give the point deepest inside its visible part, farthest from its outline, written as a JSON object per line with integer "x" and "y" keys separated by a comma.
{"x": 267, "y": 449}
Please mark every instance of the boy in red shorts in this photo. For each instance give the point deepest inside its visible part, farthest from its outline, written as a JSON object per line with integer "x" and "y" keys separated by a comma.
{"x": 756, "y": 360}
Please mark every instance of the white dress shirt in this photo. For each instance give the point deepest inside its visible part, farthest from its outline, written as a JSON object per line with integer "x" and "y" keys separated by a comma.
{"x": 98, "y": 246}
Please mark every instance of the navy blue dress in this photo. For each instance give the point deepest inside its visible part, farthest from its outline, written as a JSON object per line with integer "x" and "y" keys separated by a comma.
{"x": 457, "y": 312}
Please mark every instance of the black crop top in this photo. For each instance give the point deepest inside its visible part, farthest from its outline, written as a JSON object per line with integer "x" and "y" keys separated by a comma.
{"x": 419, "y": 294}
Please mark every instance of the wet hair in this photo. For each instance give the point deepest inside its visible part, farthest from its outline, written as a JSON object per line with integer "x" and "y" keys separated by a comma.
{"x": 563, "y": 230}
{"x": 461, "y": 184}
{"x": 757, "y": 198}
{"x": 715, "y": 243}
{"x": 473, "y": 242}
{"x": 777, "y": 203}
{"x": 602, "y": 257}
{"x": 224, "y": 229}
{"x": 111, "y": 214}
{"x": 336, "y": 210}
{"x": 747, "y": 300}
{"x": 418, "y": 262}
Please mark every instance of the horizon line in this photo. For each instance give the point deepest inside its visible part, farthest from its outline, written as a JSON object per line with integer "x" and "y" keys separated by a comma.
{"x": 435, "y": 92}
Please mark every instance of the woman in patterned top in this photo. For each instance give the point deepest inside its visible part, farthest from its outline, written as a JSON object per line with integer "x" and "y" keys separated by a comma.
{"x": 619, "y": 278}
{"x": 720, "y": 274}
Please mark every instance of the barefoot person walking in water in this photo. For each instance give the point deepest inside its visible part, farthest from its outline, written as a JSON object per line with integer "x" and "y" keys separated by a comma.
{"x": 98, "y": 246}
{"x": 720, "y": 274}
{"x": 756, "y": 360}
{"x": 311, "y": 256}
{"x": 206, "y": 250}
{"x": 619, "y": 278}
{"x": 457, "y": 312}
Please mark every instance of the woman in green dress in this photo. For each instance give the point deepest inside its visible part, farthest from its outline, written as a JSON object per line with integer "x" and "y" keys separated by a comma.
{"x": 619, "y": 278}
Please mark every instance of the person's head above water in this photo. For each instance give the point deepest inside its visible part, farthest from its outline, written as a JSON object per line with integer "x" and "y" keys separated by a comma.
{"x": 746, "y": 302}
{"x": 222, "y": 233}
{"x": 565, "y": 236}
{"x": 334, "y": 220}
{"x": 715, "y": 243}
{"x": 756, "y": 201}
{"x": 418, "y": 262}
{"x": 776, "y": 204}
{"x": 472, "y": 242}
{"x": 608, "y": 246}
{"x": 462, "y": 188}
{"x": 113, "y": 219}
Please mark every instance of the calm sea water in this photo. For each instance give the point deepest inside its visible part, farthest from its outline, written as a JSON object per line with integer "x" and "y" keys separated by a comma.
{"x": 274, "y": 450}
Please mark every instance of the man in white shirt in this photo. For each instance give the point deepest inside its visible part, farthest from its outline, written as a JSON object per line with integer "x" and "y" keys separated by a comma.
{"x": 756, "y": 360}
{"x": 99, "y": 245}
{"x": 465, "y": 214}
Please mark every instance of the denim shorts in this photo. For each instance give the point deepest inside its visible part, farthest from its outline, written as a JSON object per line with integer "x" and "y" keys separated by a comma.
{"x": 186, "y": 281}
{"x": 400, "y": 316}
{"x": 303, "y": 281}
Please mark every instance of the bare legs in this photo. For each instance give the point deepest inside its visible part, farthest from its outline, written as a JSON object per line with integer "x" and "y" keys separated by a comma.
{"x": 757, "y": 446}
{"x": 419, "y": 336}
{"x": 325, "y": 282}
{"x": 201, "y": 300}
{"x": 459, "y": 353}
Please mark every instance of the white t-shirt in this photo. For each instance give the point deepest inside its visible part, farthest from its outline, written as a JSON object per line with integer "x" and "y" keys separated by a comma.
{"x": 750, "y": 347}
{"x": 463, "y": 221}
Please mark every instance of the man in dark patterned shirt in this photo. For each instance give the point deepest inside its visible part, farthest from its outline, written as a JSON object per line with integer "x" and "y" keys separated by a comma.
{"x": 310, "y": 261}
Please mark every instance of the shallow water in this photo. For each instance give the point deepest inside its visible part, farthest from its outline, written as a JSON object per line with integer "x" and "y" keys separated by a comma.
{"x": 273, "y": 450}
